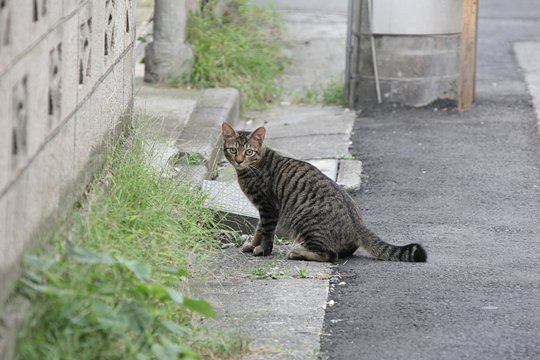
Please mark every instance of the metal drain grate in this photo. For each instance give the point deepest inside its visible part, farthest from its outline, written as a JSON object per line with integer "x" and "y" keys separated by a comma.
{"x": 228, "y": 198}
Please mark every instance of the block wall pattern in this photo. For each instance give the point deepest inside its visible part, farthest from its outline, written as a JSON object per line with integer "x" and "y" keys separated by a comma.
{"x": 66, "y": 81}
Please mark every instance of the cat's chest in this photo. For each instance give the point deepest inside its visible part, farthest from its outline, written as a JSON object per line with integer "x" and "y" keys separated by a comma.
{"x": 256, "y": 190}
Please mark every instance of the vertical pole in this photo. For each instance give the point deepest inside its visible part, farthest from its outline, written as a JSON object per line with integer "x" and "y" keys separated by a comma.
{"x": 353, "y": 51}
{"x": 348, "y": 52}
{"x": 467, "y": 72}
{"x": 168, "y": 57}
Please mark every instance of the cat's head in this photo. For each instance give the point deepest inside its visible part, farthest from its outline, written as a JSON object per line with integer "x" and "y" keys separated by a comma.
{"x": 242, "y": 148}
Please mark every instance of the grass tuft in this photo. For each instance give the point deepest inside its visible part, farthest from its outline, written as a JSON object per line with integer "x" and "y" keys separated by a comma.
{"x": 331, "y": 93}
{"x": 241, "y": 50}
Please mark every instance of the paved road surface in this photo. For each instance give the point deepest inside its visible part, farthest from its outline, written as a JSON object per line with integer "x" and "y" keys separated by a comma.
{"x": 467, "y": 186}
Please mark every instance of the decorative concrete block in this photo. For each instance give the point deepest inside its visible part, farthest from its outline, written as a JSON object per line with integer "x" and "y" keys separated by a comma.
{"x": 16, "y": 17}
{"x": 5, "y": 134}
{"x": 6, "y": 17}
{"x": 36, "y": 92}
{"x": 110, "y": 96}
{"x": 54, "y": 47}
{"x": 114, "y": 29}
{"x": 57, "y": 168}
{"x": 68, "y": 65}
{"x": 27, "y": 107}
{"x": 90, "y": 64}
{"x": 87, "y": 132}
{"x": 129, "y": 77}
{"x": 130, "y": 20}
{"x": 41, "y": 16}
{"x": 69, "y": 7}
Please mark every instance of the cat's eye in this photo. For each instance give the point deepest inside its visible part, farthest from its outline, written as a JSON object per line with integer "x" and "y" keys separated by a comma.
{"x": 232, "y": 150}
{"x": 249, "y": 152}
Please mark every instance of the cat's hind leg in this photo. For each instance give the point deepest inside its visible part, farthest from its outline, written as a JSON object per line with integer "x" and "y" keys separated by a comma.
{"x": 301, "y": 253}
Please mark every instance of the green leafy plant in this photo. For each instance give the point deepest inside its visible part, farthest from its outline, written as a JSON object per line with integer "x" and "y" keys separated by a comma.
{"x": 94, "y": 305}
{"x": 241, "y": 50}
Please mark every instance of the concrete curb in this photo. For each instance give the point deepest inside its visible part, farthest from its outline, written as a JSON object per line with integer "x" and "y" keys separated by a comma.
{"x": 349, "y": 174}
{"x": 198, "y": 143}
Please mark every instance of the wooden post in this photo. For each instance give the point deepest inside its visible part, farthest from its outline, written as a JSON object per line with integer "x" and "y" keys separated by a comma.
{"x": 467, "y": 71}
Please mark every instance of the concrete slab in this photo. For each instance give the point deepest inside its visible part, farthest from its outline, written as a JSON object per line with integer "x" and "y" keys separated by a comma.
{"x": 350, "y": 174}
{"x": 202, "y": 133}
{"x": 312, "y": 147}
{"x": 181, "y": 122}
{"x": 266, "y": 299}
{"x": 328, "y": 167}
{"x": 305, "y": 132}
{"x": 294, "y": 121}
{"x": 171, "y": 107}
{"x": 527, "y": 54}
{"x": 228, "y": 198}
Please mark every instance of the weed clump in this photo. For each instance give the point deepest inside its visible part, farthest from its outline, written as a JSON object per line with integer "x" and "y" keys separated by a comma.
{"x": 242, "y": 50}
{"x": 331, "y": 93}
{"x": 112, "y": 289}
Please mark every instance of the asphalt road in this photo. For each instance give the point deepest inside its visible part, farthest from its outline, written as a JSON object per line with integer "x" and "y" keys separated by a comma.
{"x": 467, "y": 186}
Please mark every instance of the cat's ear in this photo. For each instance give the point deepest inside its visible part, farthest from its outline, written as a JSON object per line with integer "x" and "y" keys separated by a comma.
{"x": 227, "y": 131}
{"x": 258, "y": 134}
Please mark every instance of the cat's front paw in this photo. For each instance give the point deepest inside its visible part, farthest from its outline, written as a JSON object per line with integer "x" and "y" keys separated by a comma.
{"x": 262, "y": 250}
{"x": 248, "y": 246}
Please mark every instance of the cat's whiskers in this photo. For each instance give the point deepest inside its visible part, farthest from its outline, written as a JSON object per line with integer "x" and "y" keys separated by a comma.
{"x": 254, "y": 171}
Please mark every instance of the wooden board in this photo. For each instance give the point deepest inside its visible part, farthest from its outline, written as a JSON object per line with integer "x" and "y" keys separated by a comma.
{"x": 467, "y": 76}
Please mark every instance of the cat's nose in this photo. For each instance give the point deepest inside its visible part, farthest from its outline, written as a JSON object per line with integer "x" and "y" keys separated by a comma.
{"x": 239, "y": 159}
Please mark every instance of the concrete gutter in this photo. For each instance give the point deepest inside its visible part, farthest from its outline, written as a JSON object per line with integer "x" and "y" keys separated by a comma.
{"x": 527, "y": 54}
{"x": 201, "y": 137}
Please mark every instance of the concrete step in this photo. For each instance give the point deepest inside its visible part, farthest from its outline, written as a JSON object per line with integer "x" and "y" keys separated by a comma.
{"x": 183, "y": 127}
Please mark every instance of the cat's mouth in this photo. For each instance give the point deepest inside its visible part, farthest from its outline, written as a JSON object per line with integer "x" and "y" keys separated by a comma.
{"x": 239, "y": 166}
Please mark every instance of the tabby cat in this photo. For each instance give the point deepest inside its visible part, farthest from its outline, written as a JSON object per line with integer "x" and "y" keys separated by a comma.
{"x": 311, "y": 207}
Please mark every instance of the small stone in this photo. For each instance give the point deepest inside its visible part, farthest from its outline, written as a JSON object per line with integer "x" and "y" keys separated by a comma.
{"x": 342, "y": 283}
{"x": 331, "y": 303}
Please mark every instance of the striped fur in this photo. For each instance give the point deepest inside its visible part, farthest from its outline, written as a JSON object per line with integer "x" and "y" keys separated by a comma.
{"x": 310, "y": 206}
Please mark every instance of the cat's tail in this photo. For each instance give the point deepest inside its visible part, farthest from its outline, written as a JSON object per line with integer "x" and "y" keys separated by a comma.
{"x": 385, "y": 251}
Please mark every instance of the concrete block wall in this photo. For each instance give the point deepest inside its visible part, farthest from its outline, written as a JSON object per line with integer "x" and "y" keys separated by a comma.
{"x": 66, "y": 80}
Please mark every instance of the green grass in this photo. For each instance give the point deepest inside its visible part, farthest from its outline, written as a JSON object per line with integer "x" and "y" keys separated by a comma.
{"x": 331, "y": 93}
{"x": 220, "y": 345}
{"x": 266, "y": 271}
{"x": 302, "y": 273}
{"x": 112, "y": 287}
{"x": 242, "y": 50}
{"x": 347, "y": 156}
